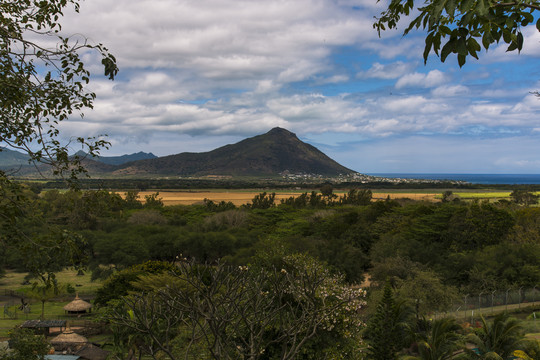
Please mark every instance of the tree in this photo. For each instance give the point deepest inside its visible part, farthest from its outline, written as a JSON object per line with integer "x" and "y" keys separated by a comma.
{"x": 40, "y": 86}
{"x": 497, "y": 339}
{"x": 26, "y": 345}
{"x": 463, "y": 27}
{"x": 120, "y": 283}
{"x": 131, "y": 200}
{"x": 524, "y": 197}
{"x": 441, "y": 342}
{"x": 357, "y": 197}
{"x": 385, "y": 331}
{"x": 449, "y": 196}
{"x": 263, "y": 201}
{"x": 44, "y": 293}
{"x": 426, "y": 290}
{"x": 243, "y": 313}
{"x": 327, "y": 190}
{"x": 153, "y": 201}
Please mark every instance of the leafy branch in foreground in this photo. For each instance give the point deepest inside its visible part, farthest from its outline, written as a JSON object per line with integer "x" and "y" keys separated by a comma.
{"x": 463, "y": 27}
{"x": 42, "y": 85}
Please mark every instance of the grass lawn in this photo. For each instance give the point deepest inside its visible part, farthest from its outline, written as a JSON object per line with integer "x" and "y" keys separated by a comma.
{"x": 53, "y": 309}
{"x": 81, "y": 283}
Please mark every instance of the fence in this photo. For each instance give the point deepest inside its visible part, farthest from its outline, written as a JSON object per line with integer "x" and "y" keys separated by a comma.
{"x": 470, "y": 307}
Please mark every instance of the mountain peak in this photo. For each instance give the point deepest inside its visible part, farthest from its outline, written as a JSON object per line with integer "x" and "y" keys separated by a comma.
{"x": 280, "y": 131}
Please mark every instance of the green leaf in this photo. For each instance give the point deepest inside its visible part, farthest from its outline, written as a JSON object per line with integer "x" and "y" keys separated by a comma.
{"x": 510, "y": 22}
{"x": 472, "y": 44}
{"x": 447, "y": 49}
{"x": 437, "y": 43}
{"x": 527, "y": 19}
{"x": 450, "y": 8}
{"x": 507, "y": 36}
{"x": 538, "y": 25}
{"x": 465, "y": 6}
{"x": 461, "y": 60}
{"x": 462, "y": 47}
{"x": 519, "y": 41}
{"x": 429, "y": 44}
{"x": 445, "y": 30}
{"x": 473, "y": 47}
{"x": 438, "y": 6}
{"x": 481, "y": 8}
{"x": 487, "y": 39}
{"x": 513, "y": 46}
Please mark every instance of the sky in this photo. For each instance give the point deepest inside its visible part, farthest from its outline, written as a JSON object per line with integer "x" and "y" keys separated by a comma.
{"x": 197, "y": 75}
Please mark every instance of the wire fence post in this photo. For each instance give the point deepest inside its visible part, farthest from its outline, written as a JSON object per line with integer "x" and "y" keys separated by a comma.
{"x": 492, "y": 297}
{"x": 506, "y": 300}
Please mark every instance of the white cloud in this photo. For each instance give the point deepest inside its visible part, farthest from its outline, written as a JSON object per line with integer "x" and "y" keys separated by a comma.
{"x": 331, "y": 80}
{"x": 387, "y": 71}
{"x": 431, "y": 79}
{"x": 450, "y": 91}
{"x": 220, "y": 39}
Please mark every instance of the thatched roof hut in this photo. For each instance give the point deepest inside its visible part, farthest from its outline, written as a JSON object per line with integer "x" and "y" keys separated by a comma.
{"x": 71, "y": 343}
{"x": 68, "y": 338}
{"x": 78, "y": 306}
{"x": 92, "y": 352}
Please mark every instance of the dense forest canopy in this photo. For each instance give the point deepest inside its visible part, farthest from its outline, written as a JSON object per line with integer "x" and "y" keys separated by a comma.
{"x": 469, "y": 246}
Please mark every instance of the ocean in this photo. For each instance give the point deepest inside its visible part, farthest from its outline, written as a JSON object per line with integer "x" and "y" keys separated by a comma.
{"x": 512, "y": 179}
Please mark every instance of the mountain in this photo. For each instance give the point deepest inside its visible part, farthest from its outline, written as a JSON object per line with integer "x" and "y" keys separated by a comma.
{"x": 270, "y": 154}
{"x": 11, "y": 158}
{"x": 277, "y": 151}
{"x": 118, "y": 160}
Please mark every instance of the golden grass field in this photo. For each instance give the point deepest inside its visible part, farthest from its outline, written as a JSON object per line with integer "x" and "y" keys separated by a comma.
{"x": 239, "y": 197}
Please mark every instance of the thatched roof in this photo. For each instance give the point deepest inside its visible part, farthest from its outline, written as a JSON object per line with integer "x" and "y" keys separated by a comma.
{"x": 93, "y": 352}
{"x": 78, "y": 305}
{"x": 44, "y": 323}
{"x": 69, "y": 337}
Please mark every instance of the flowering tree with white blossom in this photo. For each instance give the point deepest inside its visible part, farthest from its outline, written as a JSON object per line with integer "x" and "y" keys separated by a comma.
{"x": 246, "y": 312}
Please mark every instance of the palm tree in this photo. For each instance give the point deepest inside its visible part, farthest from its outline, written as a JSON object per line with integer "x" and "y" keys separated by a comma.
{"x": 441, "y": 342}
{"x": 45, "y": 293}
{"x": 497, "y": 340}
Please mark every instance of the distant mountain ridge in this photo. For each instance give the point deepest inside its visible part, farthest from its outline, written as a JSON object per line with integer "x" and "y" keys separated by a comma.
{"x": 11, "y": 158}
{"x": 119, "y": 160}
{"x": 275, "y": 152}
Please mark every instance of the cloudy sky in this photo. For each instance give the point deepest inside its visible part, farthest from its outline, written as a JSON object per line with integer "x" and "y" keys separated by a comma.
{"x": 199, "y": 74}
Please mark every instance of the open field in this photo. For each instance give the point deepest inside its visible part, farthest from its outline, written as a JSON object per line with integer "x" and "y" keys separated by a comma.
{"x": 241, "y": 197}
{"x": 484, "y": 195}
